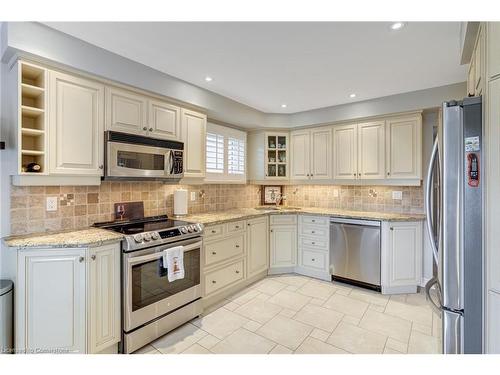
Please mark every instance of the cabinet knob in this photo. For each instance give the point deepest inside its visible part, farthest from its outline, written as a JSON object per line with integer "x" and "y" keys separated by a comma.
{"x": 313, "y": 231}
{"x": 313, "y": 220}
{"x": 388, "y": 173}
{"x": 92, "y": 257}
{"x": 214, "y": 252}
{"x": 248, "y": 224}
{"x": 81, "y": 259}
{"x": 150, "y": 129}
{"x": 391, "y": 228}
{"x": 312, "y": 175}
{"x": 237, "y": 271}
{"x": 354, "y": 174}
{"x": 271, "y": 231}
{"x": 101, "y": 166}
{"x": 214, "y": 231}
{"x": 214, "y": 282}
{"x": 237, "y": 227}
{"x": 237, "y": 246}
{"x": 145, "y": 128}
{"x": 313, "y": 259}
{"x": 313, "y": 243}
{"x": 359, "y": 174}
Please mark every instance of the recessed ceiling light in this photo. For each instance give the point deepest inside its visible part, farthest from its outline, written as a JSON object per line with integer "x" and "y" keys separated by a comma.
{"x": 208, "y": 79}
{"x": 283, "y": 106}
{"x": 352, "y": 95}
{"x": 397, "y": 25}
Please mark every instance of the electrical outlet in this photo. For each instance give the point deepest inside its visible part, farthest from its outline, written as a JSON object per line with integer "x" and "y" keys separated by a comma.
{"x": 335, "y": 193}
{"x": 397, "y": 195}
{"x": 193, "y": 196}
{"x": 51, "y": 204}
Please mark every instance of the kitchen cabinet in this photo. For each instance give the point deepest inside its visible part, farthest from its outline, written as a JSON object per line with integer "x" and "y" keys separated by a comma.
{"x": 276, "y": 156}
{"x": 345, "y": 151}
{"x": 401, "y": 258}
{"x": 371, "y": 150}
{"x": 313, "y": 247}
{"x": 257, "y": 246}
{"x": 283, "y": 247}
{"x": 76, "y": 124}
{"x": 311, "y": 154}
{"x": 164, "y": 120}
{"x": 493, "y": 324}
{"x": 126, "y": 111}
{"x": 404, "y": 147}
{"x": 194, "y": 131}
{"x": 67, "y": 299}
{"x": 476, "y": 72}
{"x": 493, "y": 48}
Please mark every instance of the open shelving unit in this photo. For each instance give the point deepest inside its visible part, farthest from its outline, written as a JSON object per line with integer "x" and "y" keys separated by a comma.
{"x": 32, "y": 114}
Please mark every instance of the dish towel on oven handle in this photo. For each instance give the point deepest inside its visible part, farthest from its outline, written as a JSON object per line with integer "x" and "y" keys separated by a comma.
{"x": 173, "y": 260}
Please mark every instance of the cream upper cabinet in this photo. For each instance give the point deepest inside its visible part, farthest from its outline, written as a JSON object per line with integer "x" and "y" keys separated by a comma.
{"x": 164, "y": 120}
{"x": 321, "y": 154}
{"x": 401, "y": 257}
{"x": 126, "y": 111}
{"x": 345, "y": 152}
{"x": 404, "y": 147}
{"x": 194, "y": 132}
{"x": 76, "y": 125}
{"x": 300, "y": 155}
{"x": 257, "y": 246}
{"x": 50, "y": 300}
{"x": 371, "y": 150}
{"x": 493, "y": 48}
{"x": 104, "y": 297}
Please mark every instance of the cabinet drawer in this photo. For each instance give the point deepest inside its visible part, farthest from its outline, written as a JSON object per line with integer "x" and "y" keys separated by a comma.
{"x": 223, "y": 277}
{"x": 235, "y": 226}
{"x": 314, "y": 231}
{"x": 283, "y": 219}
{"x": 314, "y": 259}
{"x": 227, "y": 248}
{"x": 213, "y": 231}
{"x": 319, "y": 243}
{"x": 315, "y": 220}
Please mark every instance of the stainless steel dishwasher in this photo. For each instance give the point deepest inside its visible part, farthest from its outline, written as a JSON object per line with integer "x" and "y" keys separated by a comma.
{"x": 355, "y": 252}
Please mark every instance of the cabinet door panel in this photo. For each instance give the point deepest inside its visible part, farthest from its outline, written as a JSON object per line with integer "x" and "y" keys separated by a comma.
{"x": 194, "y": 130}
{"x": 258, "y": 246}
{"x": 300, "y": 155}
{"x": 345, "y": 161}
{"x": 371, "y": 150}
{"x": 321, "y": 154}
{"x": 493, "y": 323}
{"x": 104, "y": 301}
{"x": 54, "y": 303}
{"x": 493, "y": 39}
{"x": 164, "y": 119}
{"x": 283, "y": 246}
{"x": 126, "y": 111}
{"x": 404, "y": 148}
{"x": 76, "y": 122}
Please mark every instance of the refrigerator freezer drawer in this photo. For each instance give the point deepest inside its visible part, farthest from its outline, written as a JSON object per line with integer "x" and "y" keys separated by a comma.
{"x": 355, "y": 251}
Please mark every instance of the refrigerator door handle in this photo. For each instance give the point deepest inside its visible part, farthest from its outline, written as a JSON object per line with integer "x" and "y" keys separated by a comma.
{"x": 437, "y": 307}
{"x": 428, "y": 199}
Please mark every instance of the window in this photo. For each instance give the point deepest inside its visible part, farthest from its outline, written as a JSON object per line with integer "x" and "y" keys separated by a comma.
{"x": 225, "y": 154}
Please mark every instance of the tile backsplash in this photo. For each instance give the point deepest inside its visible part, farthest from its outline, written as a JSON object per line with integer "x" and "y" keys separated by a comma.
{"x": 81, "y": 206}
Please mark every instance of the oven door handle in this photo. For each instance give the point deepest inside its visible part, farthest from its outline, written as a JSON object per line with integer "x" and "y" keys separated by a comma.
{"x": 149, "y": 257}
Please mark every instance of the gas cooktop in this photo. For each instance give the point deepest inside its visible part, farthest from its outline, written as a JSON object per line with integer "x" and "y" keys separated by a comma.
{"x": 152, "y": 231}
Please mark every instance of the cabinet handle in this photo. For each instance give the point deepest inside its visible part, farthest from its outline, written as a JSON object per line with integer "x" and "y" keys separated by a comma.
{"x": 150, "y": 129}
{"x": 81, "y": 259}
{"x": 237, "y": 271}
{"x": 237, "y": 246}
{"x": 101, "y": 166}
{"x": 92, "y": 257}
{"x": 237, "y": 227}
{"x": 392, "y": 228}
{"x": 313, "y": 220}
{"x": 145, "y": 128}
{"x": 214, "y": 252}
{"x": 313, "y": 259}
{"x": 214, "y": 282}
{"x": 214, "y": 231}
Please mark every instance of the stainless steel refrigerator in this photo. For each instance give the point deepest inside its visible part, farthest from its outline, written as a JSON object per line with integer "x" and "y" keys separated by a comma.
{"x": 454, "y": 224}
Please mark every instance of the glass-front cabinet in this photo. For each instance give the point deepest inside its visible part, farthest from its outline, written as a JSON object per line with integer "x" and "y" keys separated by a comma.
{"x": 276, "y": 155}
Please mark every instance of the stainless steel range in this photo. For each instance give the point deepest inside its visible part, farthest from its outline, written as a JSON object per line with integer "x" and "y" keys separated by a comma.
{"x": 151, "y": 305}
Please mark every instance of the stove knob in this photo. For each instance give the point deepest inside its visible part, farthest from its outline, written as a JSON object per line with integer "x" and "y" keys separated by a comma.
{"x": 147, "y": 237}
{"x": 155, "y": 236}
{"x": 184, "y": 230}
{"x": 190, "y": 229}
{"x": 195, "y": 228}
{"x": 138, "y": 238}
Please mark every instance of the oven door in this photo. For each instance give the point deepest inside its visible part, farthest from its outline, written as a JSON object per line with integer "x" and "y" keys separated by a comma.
{"x": 147, "y": 293}
{"x": 134, "y": 160}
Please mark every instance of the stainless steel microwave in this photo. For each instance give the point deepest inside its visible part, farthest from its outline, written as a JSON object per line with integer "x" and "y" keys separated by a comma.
{"x": 134, "y": 157}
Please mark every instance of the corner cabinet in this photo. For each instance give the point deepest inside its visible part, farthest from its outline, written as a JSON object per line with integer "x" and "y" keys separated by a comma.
{"x": 76, "y": 125}
{"x": 194, "y": 133}
{"x": 257, "y": 246}
{"x": 68, "y": 300}
{"x": 311, "y": 154}
{"x": 401, "y": 266}
{"x": 268, "y": 156}
{"x": 283, "y": 243}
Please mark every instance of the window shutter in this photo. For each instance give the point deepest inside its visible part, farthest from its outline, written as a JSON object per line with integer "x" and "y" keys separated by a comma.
{"x": 235, "y": 156}
{"x": 215, "y": 153}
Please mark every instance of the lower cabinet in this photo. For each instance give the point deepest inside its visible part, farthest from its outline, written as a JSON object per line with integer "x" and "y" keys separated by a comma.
{"x": 257, "y": 246}
{"x": 493, "y": 323}
{"x": 283, "y": 244}
{"x": 401, "y": 268}
{"x": 68, "y": 300}
{"x": 313, "y": 247}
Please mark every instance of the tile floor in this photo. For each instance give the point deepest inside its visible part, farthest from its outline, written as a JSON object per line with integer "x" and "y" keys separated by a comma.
{"x": 296, "y": 314}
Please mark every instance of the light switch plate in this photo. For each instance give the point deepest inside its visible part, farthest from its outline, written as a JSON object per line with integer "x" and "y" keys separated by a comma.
{"x": 51, "y": 204}
{"x": 193, "y": 196}
{"x": 397, "y": 195}
{"x": 335, "y": 193}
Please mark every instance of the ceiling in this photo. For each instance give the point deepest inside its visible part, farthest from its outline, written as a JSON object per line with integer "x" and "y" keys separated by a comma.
{"x": 305, "y": 65}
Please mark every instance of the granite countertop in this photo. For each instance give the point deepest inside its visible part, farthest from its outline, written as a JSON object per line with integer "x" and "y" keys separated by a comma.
{"x": 218, "y": 217}
{"x": 90, "y": 237}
